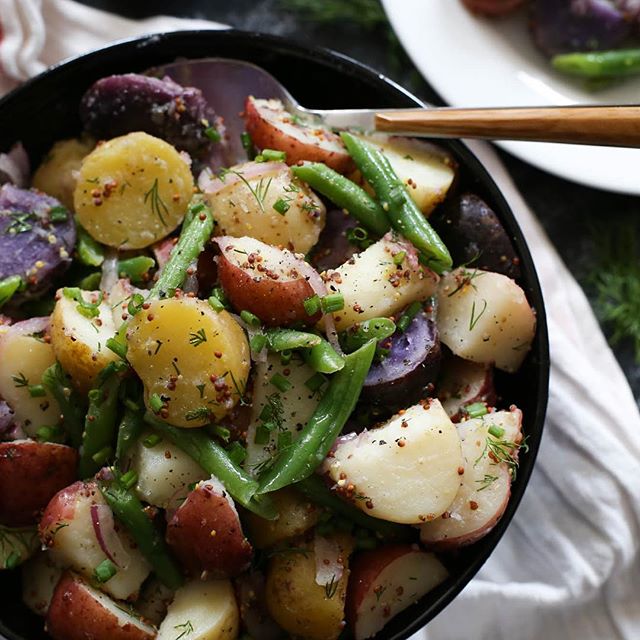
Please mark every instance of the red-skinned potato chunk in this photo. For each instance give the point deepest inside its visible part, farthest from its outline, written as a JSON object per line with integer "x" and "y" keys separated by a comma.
{"x": 492, "y": 8}
{"x": 266, "y": 201}
{"x": 385, "y": 581}
{"x": 272, "y": 283}
{"x": 205, "y": 532}
{"x": 485, "y": 317}
{"x": 39, "y": 579}
{"x": 419, "y": 451}
{"x": 272, "y": 127}
{"x": 78, "y": 612}
{"x": 79, "y": 531}
{"x": 486, "y": 483}
{"x": 31, "y": 473}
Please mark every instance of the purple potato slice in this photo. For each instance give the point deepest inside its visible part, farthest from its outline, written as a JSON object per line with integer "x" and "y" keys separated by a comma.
{"x": 120, "y": 104}
{"x": 404, "y": 376}
{"x": 37, "y": 237}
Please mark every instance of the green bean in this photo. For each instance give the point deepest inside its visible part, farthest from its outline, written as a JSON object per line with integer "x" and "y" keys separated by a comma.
{"x": 100, "y": 423}
{"x": 317, "y": 491}
{"x": 599, "y": 64}
{"x": 91, "y": 282}
{"x": 375, "y": 329}
{"x": 216, "y": 461}
{"x": 88, "y": 250}
{"x": 129, "y": 431}
{"x": 190, "y": 244}
{"x": 300, "y": 460}
{"x": 135, "y": 268}
{"x": 8, "y": 287}
{"x": 323, "y": 358}
{"x": 344, "y": 193}
{"x": 286, "y": 339}
{"x": 129, "y": 511}
{"x": 408, "y": 315}
{"x": 403, "y": 213}
{"x": 71, "y": 405}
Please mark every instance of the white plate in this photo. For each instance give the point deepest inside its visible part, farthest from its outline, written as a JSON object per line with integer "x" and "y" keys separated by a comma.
{"x": 476, "y": 62}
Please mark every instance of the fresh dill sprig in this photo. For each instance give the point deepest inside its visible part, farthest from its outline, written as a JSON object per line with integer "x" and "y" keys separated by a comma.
{"x": 615, "y": 280}
{"x": 365, "y": 13}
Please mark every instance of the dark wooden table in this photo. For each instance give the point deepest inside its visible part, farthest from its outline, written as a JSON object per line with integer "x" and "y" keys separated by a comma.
{"x": 567, "y": 211}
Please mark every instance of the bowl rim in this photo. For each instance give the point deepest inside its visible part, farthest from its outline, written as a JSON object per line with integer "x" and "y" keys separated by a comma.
{"x": 344, "y": 64}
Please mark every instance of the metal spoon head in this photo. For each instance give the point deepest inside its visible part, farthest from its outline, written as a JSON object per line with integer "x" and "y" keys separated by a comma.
{"x": 225, "y": 84}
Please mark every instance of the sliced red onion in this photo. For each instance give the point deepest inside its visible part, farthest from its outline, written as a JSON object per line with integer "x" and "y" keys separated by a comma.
{"x": 6, "y": 418}
{"x": 15, "y": 166}
{"x": 211, "y": 183}
{"x": 329, "y": 560}
{"x": 27, "y": 327}
{"x": 107, "y": 537}
{"x": 190, "y": 284}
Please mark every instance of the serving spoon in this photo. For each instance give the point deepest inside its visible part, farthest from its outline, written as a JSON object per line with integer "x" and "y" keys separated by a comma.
{"x": 226, "y": 83}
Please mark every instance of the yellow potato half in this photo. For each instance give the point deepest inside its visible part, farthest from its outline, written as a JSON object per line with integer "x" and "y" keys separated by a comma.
{"x": 195, "y": 359}
{"x": 132, "y": 191}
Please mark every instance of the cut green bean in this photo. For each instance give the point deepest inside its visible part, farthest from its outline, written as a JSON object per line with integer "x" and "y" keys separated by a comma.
{"x": 402, "y": 212}
{"x": 135, "y": 268}
{"x": 100, "y": 422}
{"x": 375, "y": 329}
{"x": 317, "y": 491}
{"x": 286, "y": 339}
{"x": 88, "y": 250}
{"x": 345, "y": 194}
{"x": 323, "y": 358}
{"x": 71, "y": 404}
{"x": 409, "y": 314}
{"x": 8, "y": 288}
{"x": 189, "y": 246}
{"x": 129, "y": 511}
{"x": 618, "y": 63}
{"x": 216, "y": 461}
{"x": 300, "y": 460}
{"x": 129, "y": 431}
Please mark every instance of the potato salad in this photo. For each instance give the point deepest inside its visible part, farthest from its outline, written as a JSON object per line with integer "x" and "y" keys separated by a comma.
{"x": 247, "y": 397}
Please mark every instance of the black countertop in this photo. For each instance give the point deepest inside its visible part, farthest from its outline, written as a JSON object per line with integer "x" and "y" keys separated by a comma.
{"x": 567, "y": 211}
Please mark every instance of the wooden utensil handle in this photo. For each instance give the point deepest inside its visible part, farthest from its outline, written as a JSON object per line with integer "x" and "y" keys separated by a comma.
{"x": 609, "y": 126}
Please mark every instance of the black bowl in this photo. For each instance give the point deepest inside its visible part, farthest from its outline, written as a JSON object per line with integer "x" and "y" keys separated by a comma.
{"x": 45, "y": 109}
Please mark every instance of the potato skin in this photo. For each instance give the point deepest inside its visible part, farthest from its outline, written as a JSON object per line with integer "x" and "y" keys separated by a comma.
{"x": 492, "y": 8}
{"x": 294, "y": 599}
{"x": 132, "y": 191}
{"x": 78, "y": 612}
{"x": 195, "y": 359}
{"x": 206, "y": 535}
{"x": 296, "y": 516}
{"x": 31, "y": 473}
{"x": 264, "y": 288}
{"x": 56, "y": 173}
{"x": 271, "y": 127}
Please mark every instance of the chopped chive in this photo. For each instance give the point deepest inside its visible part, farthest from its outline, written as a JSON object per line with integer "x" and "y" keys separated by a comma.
{"x": 272, "y": 155}
{"x": 221, "y": 432}
{"x": 237, "y": 452}
{"x": 216, "y": 304}
{"x": 87, "y": 309}
{"x": 281, "y": 206}
{"x": 285, "y": 356}
{"x": 105, "y": 571}
{"x": 247, "y": 145}
{"x": 129, "y": 479}
{"x": 135, "y": 304}
{"x": 263, "y": 435}
{"x": 151, "y": 441}
{"x": 251, "y": 319}
{"x": 219, "y": 294}
{"x": 37, "y": 390}
{"x": 58, "y": 214}
{"x": 119, "y": 348}
{"x": 476, "y": 410}
{"x": 8, "y": 287}
{"x": 284, "y": 439}
{"x": 155, "y": 402}
{"x": 13, "y": 560}
{"x": 280, "y": 382}
{"x": 213, "y": 134}
{"x": 103, "y": 455}
{"x": 315, "y": 382}
{"x": 90, "y": 282}
{"x": 496, "y": 431}
{"x": 48, "y": 434}
{"x": 407, "y": 317}
{"x": 258, "y": 342}
{"x": 332, "y": 302}
{"x": 312, "y": 305}
{"x": 399, "y": 257}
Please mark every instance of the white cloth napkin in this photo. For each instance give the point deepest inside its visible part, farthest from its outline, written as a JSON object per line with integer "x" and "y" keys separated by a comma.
{"x": 569, "y": 564}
